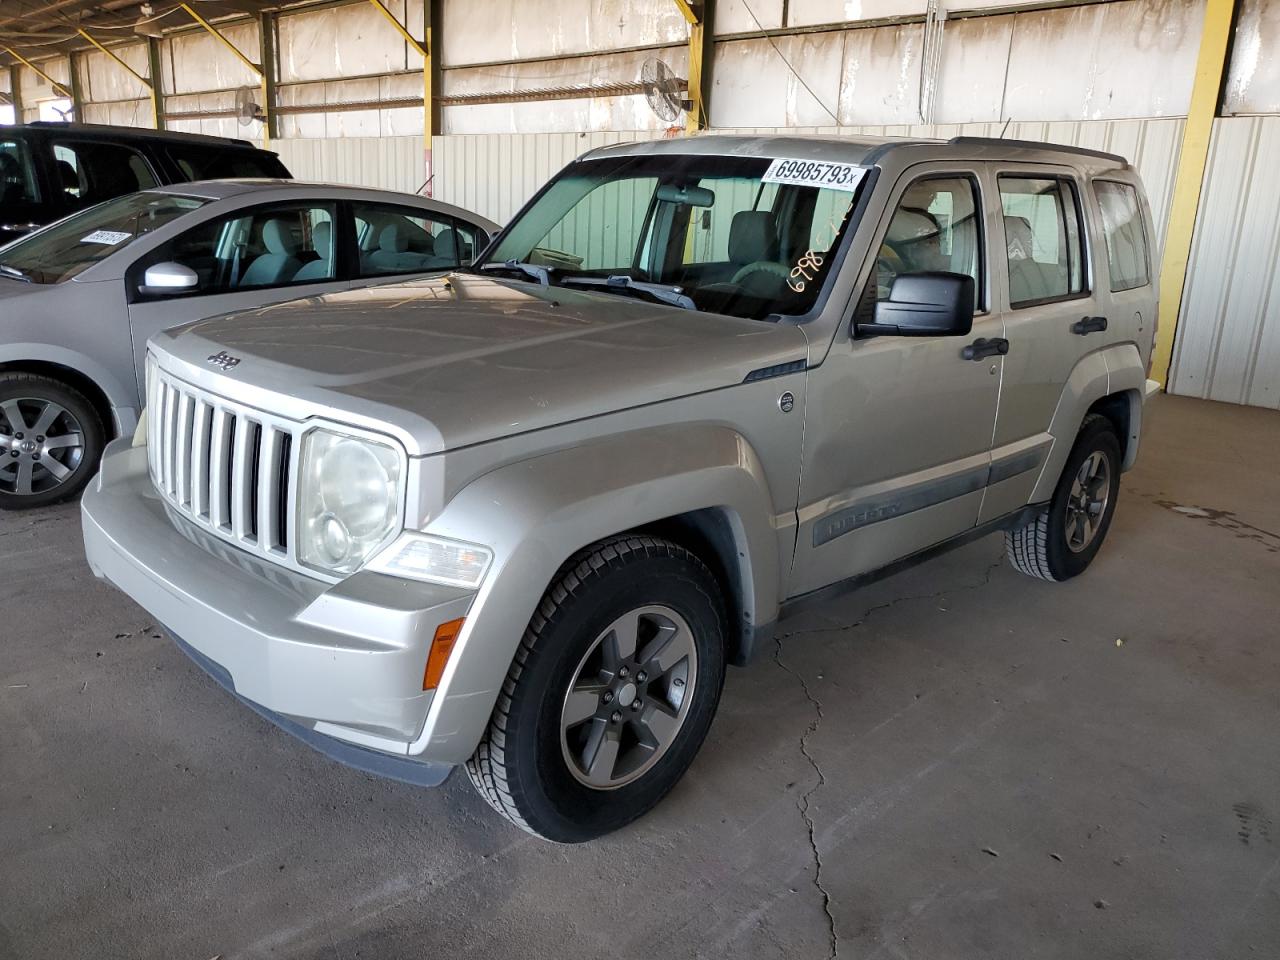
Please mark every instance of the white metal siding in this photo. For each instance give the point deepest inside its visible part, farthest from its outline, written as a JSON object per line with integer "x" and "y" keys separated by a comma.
{"x": 1228, "y": 345}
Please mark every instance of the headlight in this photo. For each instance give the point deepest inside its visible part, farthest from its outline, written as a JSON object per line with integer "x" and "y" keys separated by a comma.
{"x": 421, "y": 556}
{"x": 348, "y": 500}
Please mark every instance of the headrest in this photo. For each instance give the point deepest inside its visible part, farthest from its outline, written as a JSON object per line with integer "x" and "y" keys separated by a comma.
{"x": 67, "y": 176}
{"x": 278, "y": 238}
{"x": 753, "y": 235}
{"x": 1018, "y": 235}
{"x": 910, "y": 225}
{"x": 447, "y": 245}
{"x": 391, "y": 241}
{"x": 322, "y": 238}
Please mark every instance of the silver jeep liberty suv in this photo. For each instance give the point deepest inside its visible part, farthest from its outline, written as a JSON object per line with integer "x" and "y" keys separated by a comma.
{"x": 520, "y": 518}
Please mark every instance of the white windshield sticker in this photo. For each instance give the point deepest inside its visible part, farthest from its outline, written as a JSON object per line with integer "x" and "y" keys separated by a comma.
{"x": 109, "y": 237}
{"x": 815, "y": 173}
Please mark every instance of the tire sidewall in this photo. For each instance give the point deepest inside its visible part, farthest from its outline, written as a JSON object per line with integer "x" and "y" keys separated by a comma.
{"x": 1098, "y": 436}
{"x": 559, "y": 806}
{"x": 91, "y": 426}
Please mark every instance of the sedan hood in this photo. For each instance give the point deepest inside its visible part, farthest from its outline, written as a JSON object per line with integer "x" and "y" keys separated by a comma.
{"x": 465, "y": 359}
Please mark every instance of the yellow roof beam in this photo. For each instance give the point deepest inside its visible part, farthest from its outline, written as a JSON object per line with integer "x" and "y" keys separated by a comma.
{"x": 103, "y": 49}
{"x": 31, "y": 66}
{"x": 259, "y": 69}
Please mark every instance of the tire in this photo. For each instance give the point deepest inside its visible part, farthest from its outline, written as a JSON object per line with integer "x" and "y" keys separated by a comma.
{"x": 51, "y": 440}
{"x": 1055, "y": 545}
{"x": 534, "y": 763}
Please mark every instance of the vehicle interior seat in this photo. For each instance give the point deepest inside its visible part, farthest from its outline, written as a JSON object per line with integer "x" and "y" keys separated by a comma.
{"x": 753, "y": 239}
{"x": 68, "y": 179}
{"x": 322, "y": 269}
{"x": 11, "y": 188}
{"x": 394, "y": 254}
{"x": 449, "y": 248}
{"x": 1028, "y": 278}
{"x": 280, "y": 263}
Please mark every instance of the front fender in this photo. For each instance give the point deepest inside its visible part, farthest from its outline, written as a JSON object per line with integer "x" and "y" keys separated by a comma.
{"x": 536, "y": 513}
{"x": 123, "y": 397}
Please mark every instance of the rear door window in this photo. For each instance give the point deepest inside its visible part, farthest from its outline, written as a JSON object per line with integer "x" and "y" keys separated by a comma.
{"x": 1042, "y": 239}
{"x": 224, "y": 163}
{"x": 87, "y": 172}
{"x": 406, "y": 240}
{"x": 1125, "y": 233}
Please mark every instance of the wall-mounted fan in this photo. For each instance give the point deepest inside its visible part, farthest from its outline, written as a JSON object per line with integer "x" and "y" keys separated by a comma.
{"x": 664, "y": 90}
{"x": 247, "y": 109}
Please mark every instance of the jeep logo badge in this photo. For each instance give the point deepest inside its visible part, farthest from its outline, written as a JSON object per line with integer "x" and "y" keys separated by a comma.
{"x": 224, "y": 360}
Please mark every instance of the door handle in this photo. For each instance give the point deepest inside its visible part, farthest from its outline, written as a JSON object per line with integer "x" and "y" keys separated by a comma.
{"x": 1087, "y": 325}
{"x": 985, "y": 347}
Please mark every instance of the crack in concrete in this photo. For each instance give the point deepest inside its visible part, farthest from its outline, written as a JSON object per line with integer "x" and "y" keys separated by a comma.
{"x": 803, "y": 803}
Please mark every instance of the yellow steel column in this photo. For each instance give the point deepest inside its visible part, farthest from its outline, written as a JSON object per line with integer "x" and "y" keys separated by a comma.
{"x": 151, "y": 90}
{"x": 256, "y": 68}
{"x": 430, "y": 66}
{"x": 1210, "y": 73}
{"x": 699, "y": 16}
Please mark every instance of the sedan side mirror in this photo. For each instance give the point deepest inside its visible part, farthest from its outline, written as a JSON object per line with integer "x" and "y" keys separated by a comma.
{"x": 169, "y": 278}
{"x": 933, "y": 304}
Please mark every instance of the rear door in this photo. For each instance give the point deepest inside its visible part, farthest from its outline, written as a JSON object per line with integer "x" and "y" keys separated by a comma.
{"x": 1044, "y": 284}
{"x": 246, "y": 258}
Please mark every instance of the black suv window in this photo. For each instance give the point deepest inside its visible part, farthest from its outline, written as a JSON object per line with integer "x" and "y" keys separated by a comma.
{"x": 17, "y": 177}
{"x": 224, "y": 163}
{"x": 89, "y": 172}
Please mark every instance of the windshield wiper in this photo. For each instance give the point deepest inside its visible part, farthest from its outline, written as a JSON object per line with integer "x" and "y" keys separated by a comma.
{"x": 539, "y": 273}
{"x": 662, "y": 292}
{"x": 14, "y": 272}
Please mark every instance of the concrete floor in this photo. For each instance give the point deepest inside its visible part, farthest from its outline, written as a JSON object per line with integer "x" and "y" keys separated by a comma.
{"x": 955, "y": 763}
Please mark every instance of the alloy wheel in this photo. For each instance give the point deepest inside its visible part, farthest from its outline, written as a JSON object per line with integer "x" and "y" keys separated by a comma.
{"x": 41, "y": 445}
{"x": 629, "y": 697}
{"x": 1087, "y": 503}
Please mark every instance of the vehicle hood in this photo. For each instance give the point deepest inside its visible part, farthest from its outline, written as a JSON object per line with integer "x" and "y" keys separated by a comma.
{"x": 11, "y": 289}
{"x": 454, "y": 361}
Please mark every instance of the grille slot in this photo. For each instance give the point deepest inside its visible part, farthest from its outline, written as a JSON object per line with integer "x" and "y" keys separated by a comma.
{"x": 227, "y": 467}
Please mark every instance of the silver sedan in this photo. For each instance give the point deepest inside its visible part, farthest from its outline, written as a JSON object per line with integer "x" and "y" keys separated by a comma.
{"x": 80, "y": 298}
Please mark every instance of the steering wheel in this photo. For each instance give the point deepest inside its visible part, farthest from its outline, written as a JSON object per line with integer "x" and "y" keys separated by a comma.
{"x": 762, "y": 266}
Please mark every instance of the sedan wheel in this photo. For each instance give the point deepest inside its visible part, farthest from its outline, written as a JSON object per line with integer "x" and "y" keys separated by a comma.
{"x": 50, "y": 441}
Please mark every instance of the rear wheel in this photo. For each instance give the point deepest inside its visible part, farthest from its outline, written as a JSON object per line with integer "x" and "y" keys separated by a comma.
{"x": 611, "y": 692}
{"x": 50, "y": 441}
{"x": 1066, "y": 535}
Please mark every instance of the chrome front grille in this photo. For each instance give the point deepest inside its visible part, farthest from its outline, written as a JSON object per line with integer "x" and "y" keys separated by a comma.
{"x": 227, "y": 467}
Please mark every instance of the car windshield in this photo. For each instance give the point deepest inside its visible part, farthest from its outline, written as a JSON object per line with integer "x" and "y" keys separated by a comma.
{"x": 70, "y": 246}
{"x": 743, "y": 236}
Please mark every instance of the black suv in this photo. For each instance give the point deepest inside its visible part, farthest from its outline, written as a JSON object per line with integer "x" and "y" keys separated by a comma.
{"x": 49, "y": 170}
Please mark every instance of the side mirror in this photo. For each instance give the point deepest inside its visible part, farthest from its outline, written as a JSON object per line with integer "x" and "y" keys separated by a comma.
{"x": 169, "y": 278}
{"x": 924, "y": 305}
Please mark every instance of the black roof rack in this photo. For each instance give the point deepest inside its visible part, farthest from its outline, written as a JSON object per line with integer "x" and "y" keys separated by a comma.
{"x": 139, "y": 133}
{"x": 1035, "y": 145}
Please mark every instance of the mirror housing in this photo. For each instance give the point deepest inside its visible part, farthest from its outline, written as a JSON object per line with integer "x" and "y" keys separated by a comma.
{"x": 933, "y": 304}
{"x": 687, "y": 195}
{"x": 169, "y": 277}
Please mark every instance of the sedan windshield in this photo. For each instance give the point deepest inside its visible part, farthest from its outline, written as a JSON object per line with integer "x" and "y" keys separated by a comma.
{"x": 743, "y": 236}
{"x": 64, "y": 249}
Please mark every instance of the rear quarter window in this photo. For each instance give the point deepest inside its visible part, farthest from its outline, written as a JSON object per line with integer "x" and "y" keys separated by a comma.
{"x": 1128, "y": 256}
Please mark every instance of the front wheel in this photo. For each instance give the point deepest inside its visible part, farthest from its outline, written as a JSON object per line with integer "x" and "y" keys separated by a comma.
{"x": 611, "y": 693}
{"x": 50, "y": 441}
{"x": 1066, "y": 535}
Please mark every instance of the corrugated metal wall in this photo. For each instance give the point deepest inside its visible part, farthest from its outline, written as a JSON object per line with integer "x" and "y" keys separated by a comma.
{"x": 1228, "y": 345}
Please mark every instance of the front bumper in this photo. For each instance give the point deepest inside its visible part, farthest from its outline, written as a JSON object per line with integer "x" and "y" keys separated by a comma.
{"x": 335, "y": 664}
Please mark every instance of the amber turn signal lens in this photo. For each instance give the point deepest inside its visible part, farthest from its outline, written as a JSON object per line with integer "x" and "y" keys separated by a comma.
{"x": 441, "y": 646}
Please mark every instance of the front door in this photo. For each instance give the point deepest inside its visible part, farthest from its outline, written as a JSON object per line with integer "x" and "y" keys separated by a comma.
{"x": 249, "y": 258}
{"x": 898, "y": 429}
